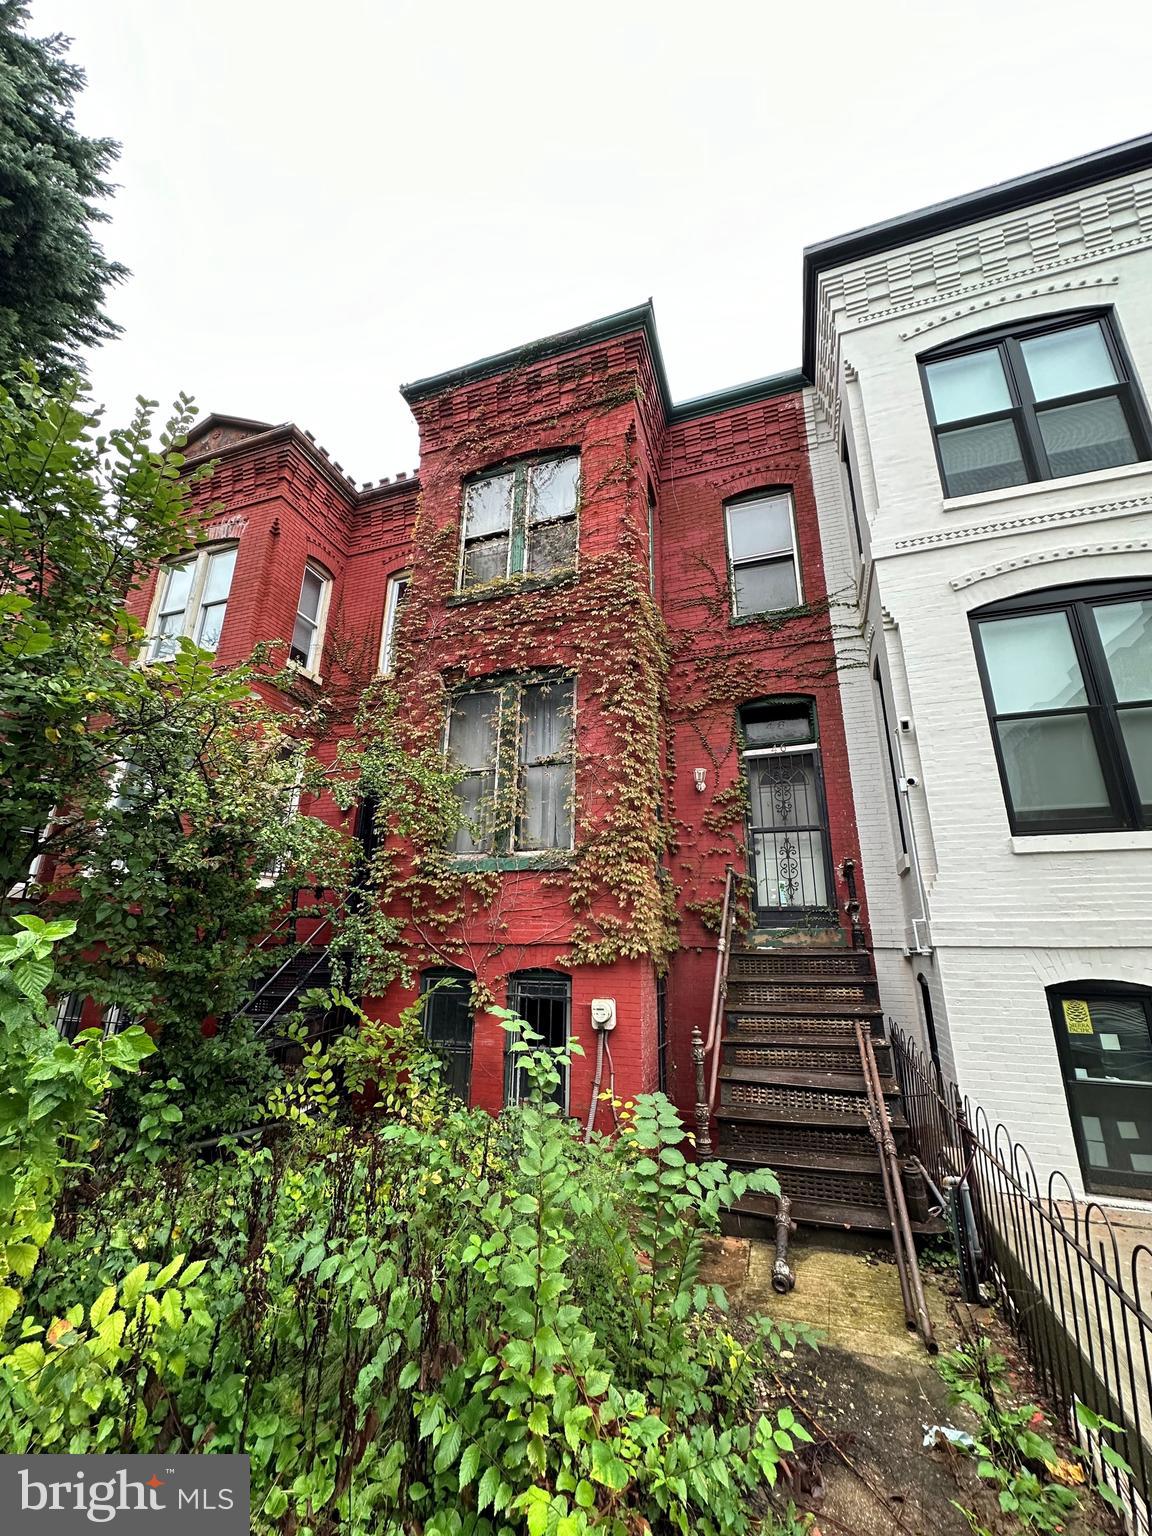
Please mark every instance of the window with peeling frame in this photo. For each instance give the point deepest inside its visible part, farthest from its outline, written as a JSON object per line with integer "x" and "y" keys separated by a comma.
{"x": 521, "y": 521}
{"x": 513, "y": 743}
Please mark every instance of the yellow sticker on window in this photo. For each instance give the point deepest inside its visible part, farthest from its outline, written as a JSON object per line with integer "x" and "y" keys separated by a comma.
{"x": 1077, "y": 1016}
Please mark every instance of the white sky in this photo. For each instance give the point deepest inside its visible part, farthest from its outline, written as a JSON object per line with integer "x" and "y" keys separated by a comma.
{"x": 321, "y": 201}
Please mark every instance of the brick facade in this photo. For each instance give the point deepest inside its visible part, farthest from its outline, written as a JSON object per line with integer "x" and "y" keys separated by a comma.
{"x": 599, "y": 392}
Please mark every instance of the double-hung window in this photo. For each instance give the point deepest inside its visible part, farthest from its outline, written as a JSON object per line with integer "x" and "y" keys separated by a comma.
{"x": 513, "y": 743}
{"x": 1034, "y": 403}
{"x": 1067, "y": 680}
{"x": 762, "y": 553}
{"x": 311, "y": 611}
{"x": 393, "y": 607}
{"x": 192, "y": 601}
{"x": 521, "y": 521}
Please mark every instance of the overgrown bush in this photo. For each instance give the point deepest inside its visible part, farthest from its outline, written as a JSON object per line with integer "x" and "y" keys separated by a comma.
{"x": 440, "y": 1320}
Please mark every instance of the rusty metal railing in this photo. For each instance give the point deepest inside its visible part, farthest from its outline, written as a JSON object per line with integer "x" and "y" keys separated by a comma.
{"x": 706, "y": 1052}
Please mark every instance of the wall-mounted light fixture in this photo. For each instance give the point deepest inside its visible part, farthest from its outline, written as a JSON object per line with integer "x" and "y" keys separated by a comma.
{"x": 701, "y": 777}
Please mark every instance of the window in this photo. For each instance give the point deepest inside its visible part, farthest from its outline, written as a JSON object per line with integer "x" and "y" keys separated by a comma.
{"x": 1067, "y": 678}
{"x": 1104, "y": 1041}
{"x": 521, "y": 521}
{"x": 762, "y": 552}
{"x": 192, "y": 601}
{"x": 850, "y": 490}
{"x": 311, "y": 611}
{"x": 69, "y": 1015}
{"x": 886, "y": 728}
{"x": 543, "y": 999}
{"x": 1044, "y": 400}
{"x": 447, "y": 1006}
{"x": 393, "y": 607}
{"x": 514, "y": 744}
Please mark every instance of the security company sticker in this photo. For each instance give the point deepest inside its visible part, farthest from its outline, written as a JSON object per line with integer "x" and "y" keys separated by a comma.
{"x": 1077, "y": 1017}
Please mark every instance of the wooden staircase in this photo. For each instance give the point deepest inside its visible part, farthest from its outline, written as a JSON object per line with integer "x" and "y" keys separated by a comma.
{"x": 791, "y": 1089}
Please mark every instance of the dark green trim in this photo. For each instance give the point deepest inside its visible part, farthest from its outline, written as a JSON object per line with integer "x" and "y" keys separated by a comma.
{"x": 939, "y": 218}
{"x": 490, "y": 863}
{"x": 640, "y": 318}
{"x": 509, "y": 586}
{"x": 739, "y": 394}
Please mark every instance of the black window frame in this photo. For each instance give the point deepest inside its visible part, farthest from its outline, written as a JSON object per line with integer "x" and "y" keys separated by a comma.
{"x": 1022, "y": 408}
{"x": 517, "y": 563}
{"x": 444, "y": 988}
{"x": 544, "y": 985}
{"x": 850, "y": 487}
{"x": 1109, "y": 1181}
{"x": 893, "y": 773}
{"x": 505, "y": 835}
{"x": 1101, "y": 709}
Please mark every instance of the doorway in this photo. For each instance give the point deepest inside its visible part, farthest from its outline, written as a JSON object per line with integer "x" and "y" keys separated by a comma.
{"x": 788, "y": 854}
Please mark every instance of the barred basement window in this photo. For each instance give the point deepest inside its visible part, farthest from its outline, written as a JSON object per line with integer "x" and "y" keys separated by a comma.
{"x": 192, "y": 601}
{"x": 446, "y": 994}
{"x": 514, "y": 743}
{"x": 521, "y": 521}
{"x": 1036, "y": 402}
{"x": 543, "y": 999}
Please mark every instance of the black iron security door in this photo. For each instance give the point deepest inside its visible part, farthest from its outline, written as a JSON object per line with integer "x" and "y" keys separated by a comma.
{"x": 787, "y": 834}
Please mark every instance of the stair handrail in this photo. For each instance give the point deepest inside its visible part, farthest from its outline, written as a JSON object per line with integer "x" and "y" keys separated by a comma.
{"x": 296, "y": 914}
{"x": 903, "y": 1243}
{"x": 707, "y": 1051}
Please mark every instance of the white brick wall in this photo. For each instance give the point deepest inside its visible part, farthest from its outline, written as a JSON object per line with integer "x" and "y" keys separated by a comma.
{"x": 1008, "y": 916}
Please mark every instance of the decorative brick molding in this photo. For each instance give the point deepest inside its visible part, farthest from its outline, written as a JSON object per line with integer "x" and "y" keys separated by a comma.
{"x": 1122, "y": 506}
{"x": 1024, "y": 248}
{"x": 1046, "y": 557}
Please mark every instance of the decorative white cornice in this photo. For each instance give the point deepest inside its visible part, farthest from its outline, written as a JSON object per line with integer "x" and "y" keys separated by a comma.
{"x": 1023, "y": 253}
{"x": 1039, "y": 290}
{"x": 1046, "y": 557}
{"x": 1121, "y": 506}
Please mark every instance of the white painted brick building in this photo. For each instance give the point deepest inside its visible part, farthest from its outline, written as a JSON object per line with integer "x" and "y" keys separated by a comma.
{"x": 1017, "y": 898}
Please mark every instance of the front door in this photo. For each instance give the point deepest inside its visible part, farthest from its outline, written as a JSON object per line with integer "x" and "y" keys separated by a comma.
{"x": 787, "y": 834}
{"x": 1105, "y": 1042}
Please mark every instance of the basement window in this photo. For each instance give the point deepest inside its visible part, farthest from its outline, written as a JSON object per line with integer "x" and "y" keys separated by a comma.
{"x": 514, "y": 745}
{"x": 521, "y": 521}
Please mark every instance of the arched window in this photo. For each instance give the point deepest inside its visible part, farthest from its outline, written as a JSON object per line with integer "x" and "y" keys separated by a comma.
{"x": 1033, "y": 402}
{"x": 1104, "y": 1040}
{"x": 1067, "y": 677}
{"x": 447, "y": 1006}
{"x": 543, "y": 999}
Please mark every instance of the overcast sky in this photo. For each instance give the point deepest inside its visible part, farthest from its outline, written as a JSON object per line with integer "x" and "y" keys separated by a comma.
{"x": 321, "y": 201}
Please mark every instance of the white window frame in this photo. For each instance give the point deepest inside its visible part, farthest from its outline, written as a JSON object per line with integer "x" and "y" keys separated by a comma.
{"x": 765, "y": 556}
{"x": 203, "y": 558}
{"x": 311, "y": 667}
{"x": 397, "y": 593}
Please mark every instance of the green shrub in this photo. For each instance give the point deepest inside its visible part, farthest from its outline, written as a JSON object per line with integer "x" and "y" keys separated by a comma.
{"x": 468, "y": 1324}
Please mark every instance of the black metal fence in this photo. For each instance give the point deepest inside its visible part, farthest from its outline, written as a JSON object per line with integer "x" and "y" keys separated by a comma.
{"x": 1077, "y": 1294}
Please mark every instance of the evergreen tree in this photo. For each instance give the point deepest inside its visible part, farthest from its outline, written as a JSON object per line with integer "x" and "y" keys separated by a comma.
{"x": 53, "y": 273}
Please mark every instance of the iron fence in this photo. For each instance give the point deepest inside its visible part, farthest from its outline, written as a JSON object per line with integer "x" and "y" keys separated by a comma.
{"x": 1076, "y": 1293}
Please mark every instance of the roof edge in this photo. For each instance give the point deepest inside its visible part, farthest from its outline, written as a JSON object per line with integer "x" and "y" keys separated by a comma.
{"x": 735, "y": 395}
{"x": 641, "y": 317}
{"x": 969, "y": 208}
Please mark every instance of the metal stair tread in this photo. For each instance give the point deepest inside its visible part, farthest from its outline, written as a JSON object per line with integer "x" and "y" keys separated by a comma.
{"x": 766, "y": 1115}
{"x": 790, "y": 1077}
{"x": 815, "y": 1161}
{"x": 799, "y": 1038}
{"x": 809, "y": 1010}
{"x": 821, "y": 1213}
